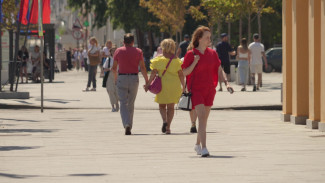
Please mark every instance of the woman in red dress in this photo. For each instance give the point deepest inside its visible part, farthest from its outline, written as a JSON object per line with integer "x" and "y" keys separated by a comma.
{"x": 202, "y": 67}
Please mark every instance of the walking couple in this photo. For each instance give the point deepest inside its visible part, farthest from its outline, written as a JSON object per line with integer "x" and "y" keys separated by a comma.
{"x": 201, "y": 67}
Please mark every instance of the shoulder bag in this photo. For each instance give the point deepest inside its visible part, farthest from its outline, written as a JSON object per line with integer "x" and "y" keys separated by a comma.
{"x": 185, "y": 102}
{"x": 156, "y": 86}
{"x": 93, "y": 60}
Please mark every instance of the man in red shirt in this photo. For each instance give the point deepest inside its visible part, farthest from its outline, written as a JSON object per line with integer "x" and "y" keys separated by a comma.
{"x": 128, "y": 58}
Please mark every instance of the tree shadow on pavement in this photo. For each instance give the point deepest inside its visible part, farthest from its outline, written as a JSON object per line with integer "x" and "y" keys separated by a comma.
{"x": 61, "y": 101}
{"x": 16, "y": 176}
{"x": 213, "y": 156}
{"x": 88, "y": 174}
{"x": 20, "y": 120}
{"x": 185, "y": 133}
{"x": 13, "y": 148}
{"x": 26, "y": 130}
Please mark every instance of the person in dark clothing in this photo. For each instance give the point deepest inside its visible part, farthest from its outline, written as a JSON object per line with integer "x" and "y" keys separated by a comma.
{"x": 23, "y": 56}
{"x": 69, "y": 56}
{"x": 182, "y": 49}
{"x": 224, "y": 50}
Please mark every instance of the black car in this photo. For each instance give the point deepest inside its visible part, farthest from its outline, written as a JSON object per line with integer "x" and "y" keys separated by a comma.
{"x": 274, "y": 60}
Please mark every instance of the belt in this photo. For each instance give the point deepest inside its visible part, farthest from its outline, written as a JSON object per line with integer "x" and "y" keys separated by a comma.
{"x": 127, "y": 73}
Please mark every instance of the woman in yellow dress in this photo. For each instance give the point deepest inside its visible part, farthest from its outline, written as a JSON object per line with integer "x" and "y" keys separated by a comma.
{"x": 172, "y": 82}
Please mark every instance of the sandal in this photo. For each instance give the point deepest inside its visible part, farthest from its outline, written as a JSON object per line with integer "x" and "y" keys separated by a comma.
{"x": 168, "y": 131}
{"x": 163, "y": 128}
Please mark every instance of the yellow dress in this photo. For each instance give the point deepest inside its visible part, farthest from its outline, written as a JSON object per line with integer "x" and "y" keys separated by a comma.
{"x": 171, "y": 84}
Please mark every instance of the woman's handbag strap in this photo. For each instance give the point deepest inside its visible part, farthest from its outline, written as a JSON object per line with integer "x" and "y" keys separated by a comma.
{"x": 171, "y": 58}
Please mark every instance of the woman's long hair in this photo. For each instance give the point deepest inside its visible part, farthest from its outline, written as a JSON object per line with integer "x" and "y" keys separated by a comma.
{"x": 94, "y": 39}
{"x": 197, "y": 35}
{"x": 243, "y": 43}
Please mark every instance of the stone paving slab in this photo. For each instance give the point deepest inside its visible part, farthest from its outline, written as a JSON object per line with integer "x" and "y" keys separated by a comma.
{"x": 89, "y": 146}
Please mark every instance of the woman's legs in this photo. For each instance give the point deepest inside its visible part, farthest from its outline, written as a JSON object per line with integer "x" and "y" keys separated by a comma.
{"x": 193, "y": 117}
{"x": 163, "y": 112}
{"x": 203, "y": 114}
{"x": 25, "y": 72}
{"x": 170, "y": 115}
{"x": 21, "y": 74}
{"x": 112, "y": 92}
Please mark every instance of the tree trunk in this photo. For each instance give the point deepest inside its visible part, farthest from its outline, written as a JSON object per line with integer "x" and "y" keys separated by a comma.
{"x": 219, "y": 30}
{"x": 139, "y": 38}
{"x": 229, "y": 32}
{"x": 240, "y": 29}
{"x": 151, "y": 44}
{"x": 212, "y": 35}
{"x": 259, "y": 24}
{"x": 249, "y": 29}
{"x": 14, "y": 70}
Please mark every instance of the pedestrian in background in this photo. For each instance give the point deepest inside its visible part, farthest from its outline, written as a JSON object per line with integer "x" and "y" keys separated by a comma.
{"x": 256, "y": 64}
{"x": 23, "y": 56}
{"x": 243, "y": 57}
{"x": 224, "y": 50}
{"x": 105, "y": 54}
{"x": 94, "y": 60}
{"x": 69, "y": 58}
{"x": 172, "y": 82}
{"x": 128, "y": 58}
{"x": 81, "y": 59}
{"x": 110, "y": 82}
{"x": 85, "y": 59}
{"x": 158, "y": 53}
{"x": 182, "y": 49}
{"x": 36, "y": 61}
{"x": 202, "y": 68}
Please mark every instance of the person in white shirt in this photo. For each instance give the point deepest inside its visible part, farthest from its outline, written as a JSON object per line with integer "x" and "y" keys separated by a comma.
{"x": 256, "y": 63}
{"x": 110, "y": 83}
{"x": 75, "y": 58}
{"x": 105, "y": 54}
{"x": 94, "y": 51}
{"x": 85, "y": 58}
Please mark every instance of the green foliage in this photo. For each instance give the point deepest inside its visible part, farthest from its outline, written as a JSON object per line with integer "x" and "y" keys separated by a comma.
{"x": 127, "y": 15}
{"x": 10, "y": 12}
{"x": 87, "y": 6}
{"x": 171, "y": 14}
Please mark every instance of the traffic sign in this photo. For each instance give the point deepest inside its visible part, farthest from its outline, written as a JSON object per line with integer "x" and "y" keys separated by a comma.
{"x": 77, "y": 34}
{"x": 77, "y": 25}
{"x": 86, "y": 23}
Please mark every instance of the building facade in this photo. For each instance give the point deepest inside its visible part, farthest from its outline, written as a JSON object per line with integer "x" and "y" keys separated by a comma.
{"x": 303, "y": 61}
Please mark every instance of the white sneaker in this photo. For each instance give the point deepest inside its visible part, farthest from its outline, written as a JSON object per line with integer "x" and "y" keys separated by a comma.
{"x": 205, "y": 152}
{"x": 198, "y": 149}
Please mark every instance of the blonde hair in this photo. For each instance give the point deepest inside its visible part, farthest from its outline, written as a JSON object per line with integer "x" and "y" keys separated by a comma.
{"x": 168, "y": 46}
{"x": 94, "y": 39}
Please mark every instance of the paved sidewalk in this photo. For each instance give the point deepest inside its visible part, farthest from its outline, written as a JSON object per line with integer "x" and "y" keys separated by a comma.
{"x": 66, "y": 92}
{"x": 87, "y": 146}
{"x": 84, "y": 142}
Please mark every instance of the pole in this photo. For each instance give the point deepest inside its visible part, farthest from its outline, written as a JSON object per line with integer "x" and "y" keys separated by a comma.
{"x": 0, "y": 55}
{"x": 42, "y": 75}
{"x": 40, "y": 34}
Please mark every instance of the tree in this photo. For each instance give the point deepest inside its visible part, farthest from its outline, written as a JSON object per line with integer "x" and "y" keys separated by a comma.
{"x": 171, "y": 14}
{"x": 251, "y": 7}
{"x": 87, "y": 6}
{"x": 220, "y": 11}
{"x": 9, "y": 22}
{"x": 260, "y": 6}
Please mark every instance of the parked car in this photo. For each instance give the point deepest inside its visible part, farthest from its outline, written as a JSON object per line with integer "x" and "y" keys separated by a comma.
{"x": 274, "y": 60}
